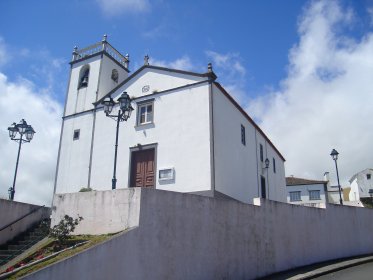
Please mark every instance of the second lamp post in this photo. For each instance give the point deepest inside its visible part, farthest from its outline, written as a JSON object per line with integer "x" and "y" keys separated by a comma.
{"x": 124, "y": 112}
{"x": 334, "y": 155}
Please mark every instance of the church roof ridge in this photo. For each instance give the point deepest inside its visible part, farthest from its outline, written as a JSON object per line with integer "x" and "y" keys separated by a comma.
{"x": 209, "y": 75}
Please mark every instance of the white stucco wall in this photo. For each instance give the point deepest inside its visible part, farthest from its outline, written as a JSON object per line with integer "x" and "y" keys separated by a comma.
{"x": 73, "y": 166}
{"x": 180, "y": 131}
{"x": 157, "y": 80}
{"x": 11, "y": 211}
{"x": 102, "y": 212}
{"x": 354, "y": 194}
{"x": 183, "y": 236}
{"x": 305, "y": 197}
{"x": 275, "y": 180}
{"x": 237, "y": 166}
{"x": 362, "y": 184}
{"x": 79, "y": 100}
{"x": 106, "y": 83}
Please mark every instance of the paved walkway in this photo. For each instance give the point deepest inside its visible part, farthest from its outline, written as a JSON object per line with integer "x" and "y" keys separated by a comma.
{"x": 316, "y": 270}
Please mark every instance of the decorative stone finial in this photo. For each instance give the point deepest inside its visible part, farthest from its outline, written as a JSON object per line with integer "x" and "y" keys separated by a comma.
{"x": 209, "y": 67}
{"x": 105, "y": 38}
{"x": 146, "y": 60}
{"x": 75, "y": 53}
{"x": 126, "y": 60}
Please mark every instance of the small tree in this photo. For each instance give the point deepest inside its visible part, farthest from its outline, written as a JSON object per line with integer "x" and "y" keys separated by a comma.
{"x": 61, "y": 231}
{"x": 85, "y": 189}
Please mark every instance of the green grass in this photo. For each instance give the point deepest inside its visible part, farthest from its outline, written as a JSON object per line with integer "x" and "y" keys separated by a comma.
{"x": 367, "y": 202}
{"x": 93, "y": 240}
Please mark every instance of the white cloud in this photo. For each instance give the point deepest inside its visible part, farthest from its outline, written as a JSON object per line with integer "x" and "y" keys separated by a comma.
{"x": 326, "y": 101}
{"x": 118, "y": 7}
{"x": 232, "y": 74}
{"x": 183, "y": 63}
{"x": 37, "y": 164}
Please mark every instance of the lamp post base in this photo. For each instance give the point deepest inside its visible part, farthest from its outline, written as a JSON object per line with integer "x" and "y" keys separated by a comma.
{"x": 11, "y": 193}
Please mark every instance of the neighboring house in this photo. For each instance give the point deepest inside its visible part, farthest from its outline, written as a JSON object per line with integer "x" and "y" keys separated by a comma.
{"x": 306, "y": 192}
{"x": 186, "y": 133}
{"x": 360, "y": 184}
{"x": 333, "y": 191}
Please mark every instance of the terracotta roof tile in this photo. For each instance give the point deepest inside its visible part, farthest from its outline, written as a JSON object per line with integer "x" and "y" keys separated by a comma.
{"x": 293, "y": 181}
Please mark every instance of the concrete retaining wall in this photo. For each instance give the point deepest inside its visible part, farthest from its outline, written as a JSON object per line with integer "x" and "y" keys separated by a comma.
{"x": 184, "y": 236}
{"x": 11, "y": 211}
{"x": 102, "y": 211}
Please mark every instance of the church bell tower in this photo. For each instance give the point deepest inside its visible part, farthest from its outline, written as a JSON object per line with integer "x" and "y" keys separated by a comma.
{"x": 95, "y": 70}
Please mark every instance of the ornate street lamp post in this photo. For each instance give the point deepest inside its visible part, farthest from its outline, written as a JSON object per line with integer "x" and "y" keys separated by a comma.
{"x": 124, "y": 112}
{"x": 16, "y": 133}
{"x": 334, "y": 155}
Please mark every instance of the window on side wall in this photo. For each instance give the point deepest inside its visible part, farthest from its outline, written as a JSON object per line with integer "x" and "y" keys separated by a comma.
{"x": 314, "y": 195}
{"x": 145, "y": 113}
{"x": 261, "y": 153}
{"x": 274, "y": 165}
{"x": 243, "y": 135}
{"x": 295, "y": 196}
{"x": 76, "y": 134}
{"x": 369, "y": 176}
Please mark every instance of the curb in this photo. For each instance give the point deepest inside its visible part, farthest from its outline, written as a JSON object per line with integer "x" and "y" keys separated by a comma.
{"x": 332, "y": 268}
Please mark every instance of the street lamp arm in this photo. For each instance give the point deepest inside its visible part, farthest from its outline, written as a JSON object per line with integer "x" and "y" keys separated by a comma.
{"x": 22, "y": 140}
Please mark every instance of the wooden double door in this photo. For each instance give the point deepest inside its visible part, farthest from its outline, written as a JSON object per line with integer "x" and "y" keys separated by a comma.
{"x": 143, "y": 168}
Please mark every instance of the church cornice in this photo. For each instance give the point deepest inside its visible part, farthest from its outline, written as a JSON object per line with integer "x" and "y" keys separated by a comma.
{"x": 208, "y": 75}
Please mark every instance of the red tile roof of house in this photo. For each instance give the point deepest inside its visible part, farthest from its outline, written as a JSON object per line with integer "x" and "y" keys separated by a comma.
{"x": 293, "y": 181}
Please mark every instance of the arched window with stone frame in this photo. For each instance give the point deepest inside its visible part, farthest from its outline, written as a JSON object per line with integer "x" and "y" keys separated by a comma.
{"x": 83, "y": 77}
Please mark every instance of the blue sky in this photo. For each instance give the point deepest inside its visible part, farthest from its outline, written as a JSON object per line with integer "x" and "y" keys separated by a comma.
{"x": 295, "y": 66}
{"x": 259, "y": 32}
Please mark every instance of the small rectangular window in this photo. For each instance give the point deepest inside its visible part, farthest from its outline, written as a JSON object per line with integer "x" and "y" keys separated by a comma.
{"x": 314, "y": 195}
{"x": 368, "y": 176}
{"x": 295, "y": 196}
{"x": 274, "y": 165}
{"x": 145, "y": 113}
{"x": 243, "y": 135}
{"x": 76, "y": 134}
{"x": 261, "y": 153}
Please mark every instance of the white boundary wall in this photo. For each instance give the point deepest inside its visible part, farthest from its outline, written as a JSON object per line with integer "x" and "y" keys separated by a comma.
{"x": 10, "y": 211}
{"x": 184, "y": 236}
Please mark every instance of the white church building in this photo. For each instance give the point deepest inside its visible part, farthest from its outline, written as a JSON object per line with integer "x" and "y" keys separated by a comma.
{"x": 185, "y": 134}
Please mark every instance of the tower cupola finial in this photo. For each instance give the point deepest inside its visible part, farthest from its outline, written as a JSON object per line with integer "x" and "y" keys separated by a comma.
{"x": 209, "y": 67}
{"x": 146, "y": 60}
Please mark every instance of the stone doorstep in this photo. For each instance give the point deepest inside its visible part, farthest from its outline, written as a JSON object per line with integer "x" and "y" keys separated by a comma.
{"x": 27, "y": 252}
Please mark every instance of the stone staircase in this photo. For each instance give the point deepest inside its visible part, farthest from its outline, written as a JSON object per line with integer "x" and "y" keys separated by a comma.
{"x": 22, "y": 242}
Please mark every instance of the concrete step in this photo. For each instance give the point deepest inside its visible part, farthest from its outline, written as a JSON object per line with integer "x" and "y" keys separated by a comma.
{"x": 28, "y": 241}
{"x": 19, "y": 247}
{"x": 36, "y": 235}
{"x": 9, "y": 252}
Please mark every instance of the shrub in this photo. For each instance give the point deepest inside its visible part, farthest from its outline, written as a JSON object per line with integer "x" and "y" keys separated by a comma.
{"x": 61, "y": 231}
{"x": 85, "y": 189}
